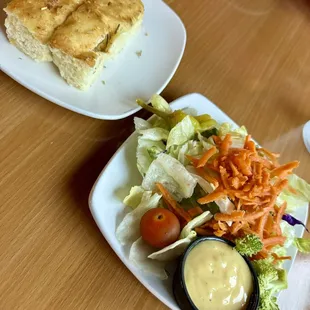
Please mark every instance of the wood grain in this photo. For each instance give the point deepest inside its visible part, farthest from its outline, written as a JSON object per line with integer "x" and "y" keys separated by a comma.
{"x": 252, "y": 58}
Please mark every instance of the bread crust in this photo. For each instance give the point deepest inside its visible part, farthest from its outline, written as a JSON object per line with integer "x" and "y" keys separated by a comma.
{"x": 94, "y": 26}
{"x": 42, "y": 17}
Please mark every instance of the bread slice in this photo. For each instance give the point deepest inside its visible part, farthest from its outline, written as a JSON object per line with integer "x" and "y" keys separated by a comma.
{"x": 95, "y": 32}
{"x": 30, "y": 24}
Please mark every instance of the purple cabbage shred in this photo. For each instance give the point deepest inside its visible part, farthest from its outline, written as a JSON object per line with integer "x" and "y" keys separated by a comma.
{"x": 293, "y": 221}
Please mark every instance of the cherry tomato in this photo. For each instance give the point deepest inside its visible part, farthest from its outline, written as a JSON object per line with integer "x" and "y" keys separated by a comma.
{"x": 159, "y": 227}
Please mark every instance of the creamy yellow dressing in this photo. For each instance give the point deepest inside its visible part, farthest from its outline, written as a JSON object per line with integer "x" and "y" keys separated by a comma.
{"x": 217, "y": 277}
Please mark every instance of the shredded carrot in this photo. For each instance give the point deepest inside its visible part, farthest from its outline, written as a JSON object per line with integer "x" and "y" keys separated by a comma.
{"x": 217, "y": 140}
{"x": 247, "y": 139}
{"x": 259, "y": 173}
{"x": 248, "y": 231}
{"x": 216, "y": 226}
{"x": 268, "y": 164}
{"x": 269, "y": 225}
{"x": 224, "y": 177}
{"x": 261, "y": 225}
{"x": 234, "y": 169}
{"x": 271, "y": 155}
{"x": 206, "y": 156}
{"x": 236, "y": 226}
{"x": 257, "y": 214}
{"x": 203, "y": 231}
{"x": 219, "y": 233}
{"x": 265, "y": 177}
{"x": 280, "y": 213}
{"x": 234, "y": 216}
{"x": 283, "y": 170}
{"x": 208, "y": 224}
{"x": 260, "y": 255}
{"x": 193, "y": 212}
{"x": 235, "y": 182}
{"x": 212, "y": 197}
{"x": 251, "y": 146}
{"x": 272, "y": 241}
{"x": 225, "y": 145}
{"x": 273, "y": 199}
{"x": 242, "y": 166}
{"x": 216, "y": 163}
{"x": 207, "y": 177}
{"x": 172, "y": 205}
{"x": 243, "y": 179}
{"x": 279, "y": 186}
{"x": 222, "y": 226}
{"x": 276, "y": 257}
{"x": 211, "y": 167}
{"x": 243, "y": 175}
{"x": 239, "y": 204}
{"x": 193, "y": 160}
{"x": 254, "y": 168}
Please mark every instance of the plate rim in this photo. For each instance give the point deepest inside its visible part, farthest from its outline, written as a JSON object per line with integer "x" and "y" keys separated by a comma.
{"x": 102, "y": 228}
{"x": 63, "y": 104}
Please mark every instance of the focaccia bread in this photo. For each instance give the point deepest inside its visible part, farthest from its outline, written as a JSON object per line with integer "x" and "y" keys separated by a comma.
{"x": 30, "y": 24}
{"x": 96, "y": 31}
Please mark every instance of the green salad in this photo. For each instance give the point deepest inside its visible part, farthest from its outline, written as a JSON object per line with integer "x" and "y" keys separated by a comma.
{"x": 201, "y": 177}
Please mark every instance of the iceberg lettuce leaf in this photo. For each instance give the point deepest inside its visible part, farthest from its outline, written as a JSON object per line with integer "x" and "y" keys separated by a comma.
{"x": 157, "y": 121}
{"x": 138, "y": 255}
{"x": 159, "y": 103}
{"x": 192, "y": 148}
{"x": 129, "y": 229}
{"x": 141, "y": 124}
{"x": 181, "y": 132}
{"x": 134, "y": 197}
{"x": 238, "y": 135}
{"x": 172, "y": 174}
{"x": 144, "y": 153}
{"x": 197, "y": 221}
{"x": 154, "y": 134}
{"x": 295, "y": 200}
{"x": 224, "y": 204}
{"x": 301, "y": 186}
{"x": 302, "y": 244}
{"x": 174, "y": 250}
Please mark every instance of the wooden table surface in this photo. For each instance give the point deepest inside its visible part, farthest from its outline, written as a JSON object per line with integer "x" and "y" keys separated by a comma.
{"x": 252, "y": 58}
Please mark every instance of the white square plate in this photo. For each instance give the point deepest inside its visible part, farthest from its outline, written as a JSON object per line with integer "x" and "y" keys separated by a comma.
{"x": 121, "y": 173}
{"x": 161, "y": 40}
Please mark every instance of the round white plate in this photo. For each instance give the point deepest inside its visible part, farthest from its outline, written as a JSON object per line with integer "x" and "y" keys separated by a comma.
{"x": 161, "y": 42}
